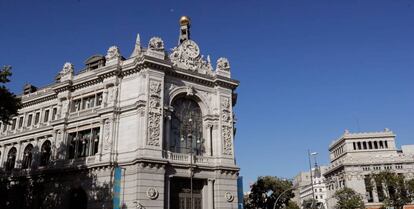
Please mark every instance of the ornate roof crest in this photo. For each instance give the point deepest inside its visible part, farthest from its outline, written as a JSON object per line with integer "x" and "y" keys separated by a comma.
{"x": 187, "y": 56}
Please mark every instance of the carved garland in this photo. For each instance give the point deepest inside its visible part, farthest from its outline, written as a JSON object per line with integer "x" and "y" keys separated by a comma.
{"x": 154, "y": 114}
{"x": 227, "y": 128}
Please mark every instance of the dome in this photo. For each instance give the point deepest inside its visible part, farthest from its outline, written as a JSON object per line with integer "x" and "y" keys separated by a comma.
{"x": 184, "y": 20}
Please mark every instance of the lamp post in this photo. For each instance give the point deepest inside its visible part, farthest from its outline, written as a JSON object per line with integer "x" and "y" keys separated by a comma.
{"x": 281, "y": 194}
{"x": 189, "y": 129}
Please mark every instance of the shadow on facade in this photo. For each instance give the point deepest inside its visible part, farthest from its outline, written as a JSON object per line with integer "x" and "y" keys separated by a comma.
{"x": 60, "y": 184}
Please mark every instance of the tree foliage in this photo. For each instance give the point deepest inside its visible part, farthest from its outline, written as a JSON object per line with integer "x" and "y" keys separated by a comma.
{"x": 348, "y": 199}
{"x": 266, "y": 190}
{"x": 9, "y": 103}
{"x": 394, "y": 186}
{"x": 292, "y": 205}
{"x": 310, "y": 204}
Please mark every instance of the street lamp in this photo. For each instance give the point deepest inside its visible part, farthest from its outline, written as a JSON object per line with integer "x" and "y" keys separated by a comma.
{"x": 281, "y": 194}
{"x": 189, "y": 129}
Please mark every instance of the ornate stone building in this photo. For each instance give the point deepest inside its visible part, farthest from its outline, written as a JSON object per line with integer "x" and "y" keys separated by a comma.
{"x": 355, "y": 156}
{"x": 165, "y": 118}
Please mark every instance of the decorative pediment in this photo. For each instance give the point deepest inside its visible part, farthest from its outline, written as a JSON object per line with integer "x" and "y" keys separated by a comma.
{"x": 187, "y": 56}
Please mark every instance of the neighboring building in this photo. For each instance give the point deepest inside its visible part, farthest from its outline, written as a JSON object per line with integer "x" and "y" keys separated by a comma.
{"x": 160, "y": 117}
{"x": 354, "y": 156}
{"x": 304, "y": 187}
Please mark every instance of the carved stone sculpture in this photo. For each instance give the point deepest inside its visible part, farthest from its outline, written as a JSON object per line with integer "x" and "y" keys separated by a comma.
{"x": 223, "y": 64}
{"x": 107, "y": 134}
{"x": 67, "y": 72}
{"x": 113, "y": 53}
{"x": 187, "y": 56}
{"x": 156, "y": 44}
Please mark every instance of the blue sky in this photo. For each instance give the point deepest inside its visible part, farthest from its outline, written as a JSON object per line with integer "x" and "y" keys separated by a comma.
{"x": 308, "y": 69}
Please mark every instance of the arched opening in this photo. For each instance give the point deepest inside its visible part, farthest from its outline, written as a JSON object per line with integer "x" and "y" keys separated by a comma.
{"x": 45, "y": 153}
{"x": 27, "y": 157}
{"x": 11, "y": 159}
{"x": 78, "y": 199}
{"x": 186, "y": 134}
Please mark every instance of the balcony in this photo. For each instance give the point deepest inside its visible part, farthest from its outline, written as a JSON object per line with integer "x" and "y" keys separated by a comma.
{"x": 185, "y": 158}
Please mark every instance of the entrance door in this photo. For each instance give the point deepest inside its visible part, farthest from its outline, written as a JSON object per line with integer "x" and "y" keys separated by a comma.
{"x": 185, "y": 201}
{"x": 180, "y": 193}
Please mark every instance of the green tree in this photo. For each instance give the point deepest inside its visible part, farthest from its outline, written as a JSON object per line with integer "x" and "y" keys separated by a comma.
{"x": 9, "y": 103}
{"x": 395, "y": 189}
{"x": 310, "y": 204}
{"x": 292, "y": 205}
{"x": 348, "y": 199}
{"x": 410, "y": 188}
{"x": 266, "y": 190}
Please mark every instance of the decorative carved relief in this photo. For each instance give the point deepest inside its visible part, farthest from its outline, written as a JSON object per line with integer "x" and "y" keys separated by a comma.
{"x": 107, "y": 134}
{"x": 65, "y": 107}
{"x": 227, "y": 127}
{"x": 152, "y": 193}
{"x": 229, "y": 196}
{"x": 154, "y": 114}
{"x": 187, "y": 56}
{"x": 227, "y": 142}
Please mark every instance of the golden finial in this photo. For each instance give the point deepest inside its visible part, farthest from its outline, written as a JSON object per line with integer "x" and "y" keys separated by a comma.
{"x": 184, "y": 20}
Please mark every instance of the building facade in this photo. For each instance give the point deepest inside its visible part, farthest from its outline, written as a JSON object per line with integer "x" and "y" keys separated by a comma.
{"x": 355, "y": 156}
{"x": 165, "y": 119}
{"x": 305, "y": 190}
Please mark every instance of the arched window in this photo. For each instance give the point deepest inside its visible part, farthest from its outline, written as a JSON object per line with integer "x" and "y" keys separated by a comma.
{"x": 45, "y": 154}
{"x": 11, "y": 159}
{"x": 375, "y": 145}
{"x": 27, "y": 157}
{"x": 186, "y": 127}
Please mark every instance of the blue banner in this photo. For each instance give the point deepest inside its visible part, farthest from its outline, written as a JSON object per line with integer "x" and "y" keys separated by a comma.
{"x": 117, "y": 187}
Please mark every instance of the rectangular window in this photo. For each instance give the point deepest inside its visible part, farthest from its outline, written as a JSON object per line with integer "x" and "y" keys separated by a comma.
{"x": 76, "y": 105}
{"x": 98, "y": 99}
{"x": 37, "y": 118}
{"x": 46, "y": 116}
{"x": 4, "y": 127}
{"x": 29, "y": 120}
{"x": 84, "y": 143}
{"x": 21, "y": 122}
{"x": 14, "y": 124}
{"x": 54, "y": 112}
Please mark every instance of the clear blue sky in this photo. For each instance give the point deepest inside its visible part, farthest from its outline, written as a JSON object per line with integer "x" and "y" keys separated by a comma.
{"x": 308, "y": 69}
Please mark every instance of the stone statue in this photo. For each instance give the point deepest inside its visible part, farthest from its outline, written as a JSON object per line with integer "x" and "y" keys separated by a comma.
{"x": 223, "y": 64}
{"x": 156, "y": 44}
{"x": 113, "y": 53}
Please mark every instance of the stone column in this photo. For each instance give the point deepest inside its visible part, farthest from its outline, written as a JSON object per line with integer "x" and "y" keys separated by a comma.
{"x": 3, "y": 153}
{"x": 18, "y": 157}
{"x": 210, "y": 183}
{"x": 167, "y": 131}
{"x": 374, "y": 192}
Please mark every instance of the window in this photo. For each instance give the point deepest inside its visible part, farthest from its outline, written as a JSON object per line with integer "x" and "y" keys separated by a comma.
{"x": 375, "y": 145}
{"x": 186, "y": 127}
{"x": 21, "y": 122}
{"x": 29, "y": 120}
{"x": 99, "y": 99}
{"x": 37, "y": 118}
{"x": 386, "y": 144}
{"x": 381, "y": 145}
{"x": 84, "y": 143}
{"x": 370, "y": 145}
{"x": 27, "y": 157}
{"x": 354, "y": 145}
{"x": 45, "y": 153}
{"x": 14, "y": 123}
{"x": 364, "y": 144}
{"x": 54, "y": 112}
{"x": 359, "y": 145}
{"x": 11, "y": 159}
{"x": 46, "y": 116}
{"x": 4, "y": 127}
